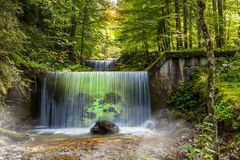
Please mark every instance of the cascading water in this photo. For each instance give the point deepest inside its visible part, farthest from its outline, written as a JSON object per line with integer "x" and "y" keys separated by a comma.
{"x": 101, "y": 65}
{"x": 79, "y": 99}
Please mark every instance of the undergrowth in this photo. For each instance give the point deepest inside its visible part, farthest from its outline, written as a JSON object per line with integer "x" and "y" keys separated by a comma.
{"x": 189, "y": 102}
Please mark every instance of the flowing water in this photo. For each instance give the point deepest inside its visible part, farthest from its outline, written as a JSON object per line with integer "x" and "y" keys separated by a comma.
{"x": 79, "y": 99}
{"x": 101, "y": 65}
{"x": 72, "y": 102}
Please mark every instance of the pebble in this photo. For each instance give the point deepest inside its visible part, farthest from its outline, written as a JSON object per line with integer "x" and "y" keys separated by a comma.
{"x": 10, "y": 152}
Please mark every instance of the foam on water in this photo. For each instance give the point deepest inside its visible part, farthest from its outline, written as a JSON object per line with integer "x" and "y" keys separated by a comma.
{"x": 85, "y": 131}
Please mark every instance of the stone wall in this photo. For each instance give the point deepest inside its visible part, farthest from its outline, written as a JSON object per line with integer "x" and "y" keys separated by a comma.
{"x": 166, "y": 75}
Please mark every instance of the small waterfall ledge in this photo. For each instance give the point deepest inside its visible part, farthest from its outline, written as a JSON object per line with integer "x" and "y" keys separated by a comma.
{"x": 102, "y": 65}
{"x": 80, "y": 99}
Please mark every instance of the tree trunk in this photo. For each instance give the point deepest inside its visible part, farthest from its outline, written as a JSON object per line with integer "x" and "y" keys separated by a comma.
{"x": 164, "y": 32}
{"x": 178, "y": 24}
{"x": 145, "y": 43}
{"x": 221, "y": 23}
{"x": 71, "y": 52}
{"x": 158, "y": 36}
{"x": 199, "y": 33}
{"x": 167, "y": 28}
{"x": 238, "y": 41}
{"x": 83, "y": 32}
{"x": 185, "y": 18}
{"x": 215, "y": 21}
{"x": 190, "y": 25}
{"x": 211, "y": 76}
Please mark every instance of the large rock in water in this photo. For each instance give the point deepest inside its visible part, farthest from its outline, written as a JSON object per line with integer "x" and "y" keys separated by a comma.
{"x": 104, "y": 127}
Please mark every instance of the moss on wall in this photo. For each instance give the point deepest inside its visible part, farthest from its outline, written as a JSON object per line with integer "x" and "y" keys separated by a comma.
{"x": 193, "y": 53}
{"x": 200, "y": 53}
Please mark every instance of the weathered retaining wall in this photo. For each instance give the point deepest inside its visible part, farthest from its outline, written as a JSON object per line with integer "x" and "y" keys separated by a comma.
{"x": 166, "y": 74}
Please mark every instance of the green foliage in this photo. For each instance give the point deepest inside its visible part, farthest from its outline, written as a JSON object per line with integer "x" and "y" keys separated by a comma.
{"x": 151, "y": 25}
{"x": 226, "y": 112}
{"x": 12, "y": 38}
{"x": 189, "y": 101}
{"x": 237, "y": 137}
{"x": 227, "y": 109}
{"x": 228, "y": 83}
{"x": 206, "y": 141}
{"x": 192, "y": 151}
{"x": 139, "y": 24}
{"x": 190, "y": 97}
{"x": 11, "y": 44}
{"x": 135, "y": 61}
{"x": 7, "y": 77}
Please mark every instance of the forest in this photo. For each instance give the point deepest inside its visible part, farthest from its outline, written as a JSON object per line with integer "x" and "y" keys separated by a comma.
{"x": 174, "y": 64}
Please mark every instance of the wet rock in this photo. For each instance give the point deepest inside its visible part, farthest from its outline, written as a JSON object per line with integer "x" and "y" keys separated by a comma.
{"x": 150, "y": 125}
{"x": 104, "y": 127}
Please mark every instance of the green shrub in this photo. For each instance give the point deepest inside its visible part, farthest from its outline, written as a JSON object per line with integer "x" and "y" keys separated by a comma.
{"x": 189, "y": 100}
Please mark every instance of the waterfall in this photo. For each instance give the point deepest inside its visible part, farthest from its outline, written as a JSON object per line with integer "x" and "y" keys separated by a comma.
{"x": 101, "y": 65}
{"x": 79, "y": 99}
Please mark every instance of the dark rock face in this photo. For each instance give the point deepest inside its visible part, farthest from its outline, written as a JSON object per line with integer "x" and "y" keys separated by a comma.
{"x": 104, "y": 127}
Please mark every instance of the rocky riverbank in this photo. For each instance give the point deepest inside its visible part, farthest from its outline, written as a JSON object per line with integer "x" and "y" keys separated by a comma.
{"x": 89, "y": 147}
{"x": 118, "y": 147}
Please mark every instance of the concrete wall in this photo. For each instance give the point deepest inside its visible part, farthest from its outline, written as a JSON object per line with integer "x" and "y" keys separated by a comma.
{"x": 165, "y": 77}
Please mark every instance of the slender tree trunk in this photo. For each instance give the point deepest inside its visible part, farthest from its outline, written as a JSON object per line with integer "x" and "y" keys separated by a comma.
{"x": 225, "y": 23}
{"x": 178, "y": 24}
{"x": 83, "y": 31}
{"x": 162, "y": 39}
{"x": 190, "y": 25}
{"x": 221, "y": 23}
{"x": 238, "y": 36}
{"x": 199, "y": 35}
{"x": 168, "y": 35}
{"x": 71, "y": 53}
{"x": 164, "y": 32}
{"x": 238, "y": 32}
{"x": 145, "y": 43}
{"x": 215, "y": 21}
{"x": 211, "y": 75}
{"x": 185, "y": 25}
{"x": 158, "y": 36}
